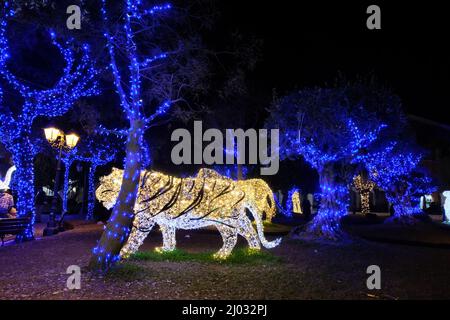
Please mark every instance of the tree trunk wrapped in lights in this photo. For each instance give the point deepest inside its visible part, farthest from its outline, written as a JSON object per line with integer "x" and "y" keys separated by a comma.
{"x": 167, "y": 80}
{"x": 118, "y": 227}
{"x": 91, "y": 192}
{"x": 334, "y": 203}
{"x": 68, "y": 161}
{"x": 23, "y": 157}
{"x": 77, "y": 81}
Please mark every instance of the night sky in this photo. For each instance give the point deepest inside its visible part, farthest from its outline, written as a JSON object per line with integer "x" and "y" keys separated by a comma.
{"x": 308, "y": 45}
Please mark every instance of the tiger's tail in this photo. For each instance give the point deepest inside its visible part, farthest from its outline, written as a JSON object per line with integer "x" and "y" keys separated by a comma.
{"x": 260, "y": 229}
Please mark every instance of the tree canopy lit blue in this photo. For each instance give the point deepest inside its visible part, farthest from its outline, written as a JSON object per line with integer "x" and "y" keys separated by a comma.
{"x": 78, "y": 80}
{"x": 333, "y": 129}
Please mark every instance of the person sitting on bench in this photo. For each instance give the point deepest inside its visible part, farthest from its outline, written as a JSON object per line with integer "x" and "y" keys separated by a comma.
{"x": 7, "y": 209}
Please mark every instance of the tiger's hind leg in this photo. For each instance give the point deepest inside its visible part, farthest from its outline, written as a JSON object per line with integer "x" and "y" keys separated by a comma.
{"x": 169, "y": 239}
{"x": 246, "y": 230}
{"x": 141, "y": 228}
{"x": 229, "y": 236}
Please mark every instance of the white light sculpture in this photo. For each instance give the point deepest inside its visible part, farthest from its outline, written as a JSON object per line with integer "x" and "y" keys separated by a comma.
{"x": 446, "y": 201}
{"x": 208, "y": 199}
{"x": 4, "y": 185}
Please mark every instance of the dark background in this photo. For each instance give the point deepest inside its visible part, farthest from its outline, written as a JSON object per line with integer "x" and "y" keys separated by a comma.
{"x": 307, "y": 43}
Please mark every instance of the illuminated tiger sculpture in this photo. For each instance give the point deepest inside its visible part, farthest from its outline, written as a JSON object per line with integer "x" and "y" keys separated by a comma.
{"x": 208, "y": 199}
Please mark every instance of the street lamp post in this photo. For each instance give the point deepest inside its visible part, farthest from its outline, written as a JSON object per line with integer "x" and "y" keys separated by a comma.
{"x": 59, "y": 141}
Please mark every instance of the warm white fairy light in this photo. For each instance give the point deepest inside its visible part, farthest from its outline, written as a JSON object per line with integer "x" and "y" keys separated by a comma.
{"x": 296, "y": 204}
{"x": 208, "y": 199}
{"x": 364, "y": 187}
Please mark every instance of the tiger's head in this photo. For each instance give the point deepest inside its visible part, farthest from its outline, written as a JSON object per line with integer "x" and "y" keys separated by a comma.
{"x": 110, "y": 185}
{"x": 109, "y": 188}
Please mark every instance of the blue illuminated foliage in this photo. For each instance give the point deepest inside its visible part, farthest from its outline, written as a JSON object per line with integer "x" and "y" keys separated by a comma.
{"x": 232, "y": 171}
{"x": 395, "y": 168}
{"x": 77, "y": 81}
{"x": 329, "y": 128}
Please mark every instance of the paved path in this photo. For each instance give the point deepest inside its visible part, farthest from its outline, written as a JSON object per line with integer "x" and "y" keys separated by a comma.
{"x": 36, "y": 270}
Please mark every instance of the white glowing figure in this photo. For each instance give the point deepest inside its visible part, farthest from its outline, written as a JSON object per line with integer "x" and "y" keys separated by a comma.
{"x": 422, "y": 203}
{"x": 446, "y": 201}
{"x": 208, "y": 199}
{"x": 5, "y": 184}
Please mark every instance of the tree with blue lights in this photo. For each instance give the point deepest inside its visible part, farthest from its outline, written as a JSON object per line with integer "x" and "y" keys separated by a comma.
{"x": 395, "y": 167}
{"x": 78, "y": 80}
{"x": 97, "y": 151}
{"x": 134, "y": 43}
{"x": 329, "y": 128}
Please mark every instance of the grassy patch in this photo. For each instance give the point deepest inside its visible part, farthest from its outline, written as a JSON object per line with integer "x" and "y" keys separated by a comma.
{"x": 126, "y": 272}
{"x": 239, "y": 256}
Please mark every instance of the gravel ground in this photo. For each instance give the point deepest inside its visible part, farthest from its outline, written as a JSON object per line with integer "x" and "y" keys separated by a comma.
{"x": 36, "y": 270}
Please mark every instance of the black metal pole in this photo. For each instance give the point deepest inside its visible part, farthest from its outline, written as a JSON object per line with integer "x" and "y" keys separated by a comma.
{"x": 52, "y": 227}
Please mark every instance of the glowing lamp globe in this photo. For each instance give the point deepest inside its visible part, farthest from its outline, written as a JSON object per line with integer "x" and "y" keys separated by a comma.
{"x": 51, "y": 134}
{"x": 72, "y": 140}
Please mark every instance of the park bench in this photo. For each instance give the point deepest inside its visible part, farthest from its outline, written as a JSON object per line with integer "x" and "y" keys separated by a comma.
{"x": 13, "y": 226}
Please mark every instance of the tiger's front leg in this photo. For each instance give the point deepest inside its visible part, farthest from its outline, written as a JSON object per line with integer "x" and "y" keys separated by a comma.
{"x": 169, "y": 239}
{"x": 142, "y": 226}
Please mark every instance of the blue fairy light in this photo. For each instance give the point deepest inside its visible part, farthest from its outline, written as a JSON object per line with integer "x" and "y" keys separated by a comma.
{"x": 77, "y": 81}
